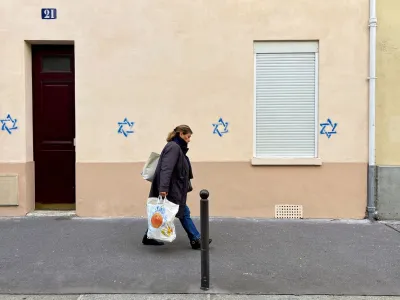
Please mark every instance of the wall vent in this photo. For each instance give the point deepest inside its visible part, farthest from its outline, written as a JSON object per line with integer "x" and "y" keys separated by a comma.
{"x": 288, "y": 211}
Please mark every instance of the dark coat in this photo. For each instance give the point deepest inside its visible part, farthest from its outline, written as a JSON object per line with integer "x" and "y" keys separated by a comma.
{"x": 172, "y": 175}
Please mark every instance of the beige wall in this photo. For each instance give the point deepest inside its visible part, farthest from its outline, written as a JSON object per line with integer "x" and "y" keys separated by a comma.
{"x": 388, "y": 88}
{"x": 161, "y": 63}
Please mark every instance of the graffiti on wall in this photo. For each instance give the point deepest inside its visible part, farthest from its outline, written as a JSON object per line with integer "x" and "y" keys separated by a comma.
{"x": 9, "y": 124}
{"x": 125, "y": 127}
{"x": 220, "y": 127}
{"x": 328, "y": 128}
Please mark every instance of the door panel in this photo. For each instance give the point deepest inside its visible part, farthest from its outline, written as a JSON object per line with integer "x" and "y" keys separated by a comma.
{"x": 58, "y": 113}
{"x": 54, "y": 123}
{"x": 54, "y": 173}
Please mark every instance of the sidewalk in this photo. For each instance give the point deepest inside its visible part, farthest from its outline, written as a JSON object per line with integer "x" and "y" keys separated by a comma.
{"x": 50, "y": 255}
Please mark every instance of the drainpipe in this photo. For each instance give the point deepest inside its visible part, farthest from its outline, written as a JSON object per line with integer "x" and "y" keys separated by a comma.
{"x": 371, "y": 210}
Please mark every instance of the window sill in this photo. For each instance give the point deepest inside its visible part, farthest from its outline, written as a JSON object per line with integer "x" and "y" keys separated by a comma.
{"x": 286, "y": 161}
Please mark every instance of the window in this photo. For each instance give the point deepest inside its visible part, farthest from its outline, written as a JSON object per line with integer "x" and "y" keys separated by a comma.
{"x": 286, "y": 91}
{"x": 56, "y": 64}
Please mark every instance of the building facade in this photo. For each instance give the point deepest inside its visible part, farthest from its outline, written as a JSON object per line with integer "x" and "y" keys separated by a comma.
{"x": 276, "y": 94}
{"x": 388, "y": 110}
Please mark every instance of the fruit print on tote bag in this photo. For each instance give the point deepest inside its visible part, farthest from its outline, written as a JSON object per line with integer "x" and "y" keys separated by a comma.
{"x": 160, "y": 218}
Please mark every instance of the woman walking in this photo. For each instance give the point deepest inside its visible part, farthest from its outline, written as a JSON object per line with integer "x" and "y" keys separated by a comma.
{"x": 172, "y": 180}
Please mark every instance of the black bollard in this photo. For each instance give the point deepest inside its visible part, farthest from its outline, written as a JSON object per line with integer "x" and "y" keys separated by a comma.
{"x": 205, "y": 233}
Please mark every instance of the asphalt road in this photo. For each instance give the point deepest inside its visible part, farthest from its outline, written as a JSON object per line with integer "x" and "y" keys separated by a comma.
{"x": 51, "y": 255}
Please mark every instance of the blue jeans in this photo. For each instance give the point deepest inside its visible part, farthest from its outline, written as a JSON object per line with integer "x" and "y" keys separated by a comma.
{"x": 188, "y": 225}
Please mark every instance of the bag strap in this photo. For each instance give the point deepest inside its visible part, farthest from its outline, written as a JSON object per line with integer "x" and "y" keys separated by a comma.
{"x": 162, "y": 199}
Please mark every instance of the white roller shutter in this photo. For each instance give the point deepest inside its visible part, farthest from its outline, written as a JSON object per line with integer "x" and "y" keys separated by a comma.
{"x": 285, "y": 104}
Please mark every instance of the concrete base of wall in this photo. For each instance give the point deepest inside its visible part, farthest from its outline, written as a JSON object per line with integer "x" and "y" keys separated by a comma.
{"x": 237, "y": 189}
{"x": 388, "y": 194}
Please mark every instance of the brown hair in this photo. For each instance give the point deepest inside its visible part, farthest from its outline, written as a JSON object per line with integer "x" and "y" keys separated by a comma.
{"x": 181, "y": 128}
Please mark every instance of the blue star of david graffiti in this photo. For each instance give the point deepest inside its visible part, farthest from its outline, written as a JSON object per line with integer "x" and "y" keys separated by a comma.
{"x": 217, "y": 126}
{"x": 125, "y": 127}
{"x": 328, "y": 128}
{"x": 9, "y": 124}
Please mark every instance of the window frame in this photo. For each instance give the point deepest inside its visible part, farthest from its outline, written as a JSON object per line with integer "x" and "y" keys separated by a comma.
{"x": 279, "y": 47}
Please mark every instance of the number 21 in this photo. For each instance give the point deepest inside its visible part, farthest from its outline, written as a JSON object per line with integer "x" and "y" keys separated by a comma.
{"x": 48, "y": 13}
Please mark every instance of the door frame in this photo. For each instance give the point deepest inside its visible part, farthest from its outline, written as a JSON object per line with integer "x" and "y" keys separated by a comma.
{"x": 29, "y": 52}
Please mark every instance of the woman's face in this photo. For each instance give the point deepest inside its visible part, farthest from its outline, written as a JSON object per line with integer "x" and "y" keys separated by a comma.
{"x": 185, "y": 137}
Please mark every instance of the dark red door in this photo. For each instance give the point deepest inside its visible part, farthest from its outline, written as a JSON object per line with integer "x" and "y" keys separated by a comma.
{"x": 54, "y": 124}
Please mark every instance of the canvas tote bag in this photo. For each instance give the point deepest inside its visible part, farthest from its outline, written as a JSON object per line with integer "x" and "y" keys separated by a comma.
{"x": 150, "y": 166}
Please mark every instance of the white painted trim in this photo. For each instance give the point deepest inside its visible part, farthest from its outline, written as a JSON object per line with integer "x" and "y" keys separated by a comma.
{"x": 316, "y": 104}
{"x": 286, "y": 47}
{"x": 372, "y": 184}
{"x": 286, "y": 161}
{"x": 255, "y": 106}
{"x": 372, "y": 82}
